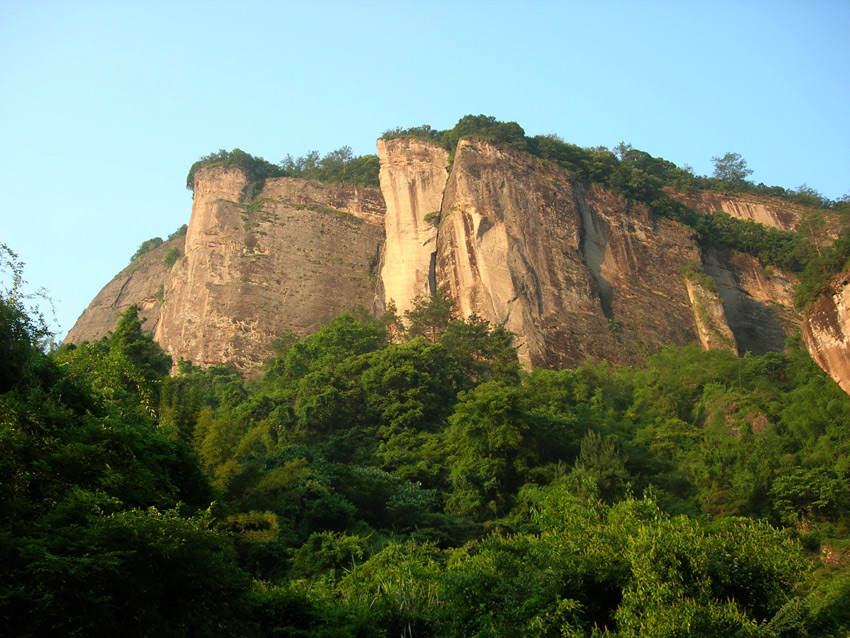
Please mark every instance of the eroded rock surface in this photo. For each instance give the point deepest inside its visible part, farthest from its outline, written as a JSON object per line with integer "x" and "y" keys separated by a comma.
{"x": 759, "y": 302}
{"x": 574, "y": 273}
{"x": 769, "y": 211}
{"x": 413, "y": 176}
{"x": 142, "y": 284}
{"x": 572, "y": 270}
{"x": 826, "y": 330}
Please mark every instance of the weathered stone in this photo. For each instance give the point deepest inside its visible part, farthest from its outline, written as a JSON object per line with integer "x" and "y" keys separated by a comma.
{"x": 572, "y": 270}
{"x": 826, "y": 330}
{"x": 142, "y": 284}
{"x": 413, "y": 176}
{"x": 574, "y": 273}
{"x": 768, "y": 211}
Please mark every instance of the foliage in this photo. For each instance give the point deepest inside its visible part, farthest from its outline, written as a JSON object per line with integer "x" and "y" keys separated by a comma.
{"x": 339, "y": 166}
{"x": 171, "y": 257}
{"x": 146, "y": 246}
{"x": 731, "y": 168}
{"x": 180, "y": 232}
{"x": 255, "y": 169}
{"x": 385, "y": 479}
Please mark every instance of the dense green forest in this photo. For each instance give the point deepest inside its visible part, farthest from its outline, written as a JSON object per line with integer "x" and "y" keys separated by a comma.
{"x": 387, "y": 478}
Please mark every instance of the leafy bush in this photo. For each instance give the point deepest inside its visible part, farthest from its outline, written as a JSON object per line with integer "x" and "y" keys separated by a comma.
{"x": 147, "y": 246}
{"x": 171, "y": 257}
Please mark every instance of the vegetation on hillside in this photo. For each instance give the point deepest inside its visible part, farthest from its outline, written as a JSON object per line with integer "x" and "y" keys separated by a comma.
{"x": 386, "y": 479}
{"x": 339, "y": 166}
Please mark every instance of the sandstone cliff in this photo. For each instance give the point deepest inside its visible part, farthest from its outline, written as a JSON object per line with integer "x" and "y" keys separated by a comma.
{"x": 710, "y": 318}
{"x": 413, "y": 176}
{"x": 142, "y": 283}
{"x": 573, "y": 271}
{"x": 758, "y": 302}
{"x": 826, "y": 330}
{"x": 769, "y": 211}
{"x": 287, "y": 261}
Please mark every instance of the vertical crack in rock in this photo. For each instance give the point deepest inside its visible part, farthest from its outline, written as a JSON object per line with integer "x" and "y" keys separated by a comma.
{"x": 593, "y": 244}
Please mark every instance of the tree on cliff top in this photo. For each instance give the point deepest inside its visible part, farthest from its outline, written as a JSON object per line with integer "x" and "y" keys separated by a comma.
{"x": 731, "y": 168}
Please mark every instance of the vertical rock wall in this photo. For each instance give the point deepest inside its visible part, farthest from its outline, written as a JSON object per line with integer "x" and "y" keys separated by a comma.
{"x": 413, "y": 176}
{"x": 826, "y": 330}
{"x": 287, "y": 261}
{"x": 572, "y": 273}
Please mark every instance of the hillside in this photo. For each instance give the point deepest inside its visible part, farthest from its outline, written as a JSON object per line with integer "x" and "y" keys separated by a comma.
{"x": 572, "y": 269}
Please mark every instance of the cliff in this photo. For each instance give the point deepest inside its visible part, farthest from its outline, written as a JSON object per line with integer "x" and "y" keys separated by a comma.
{"x": 826, "y": 330}
{"x": 413, "y": 176}
{"x": 287, "y": 261}
{"x": 142, "y": 283}
{"x": 768, "y": 211}
{"x": 572, "y": 270}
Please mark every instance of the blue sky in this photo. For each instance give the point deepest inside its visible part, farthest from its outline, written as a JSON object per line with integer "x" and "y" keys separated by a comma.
{"x": 105, "y": 105}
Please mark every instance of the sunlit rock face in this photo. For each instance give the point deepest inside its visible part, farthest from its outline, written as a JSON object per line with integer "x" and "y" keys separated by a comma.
{"x": 141, "y": 284}
{"x": 413, "y": 176}
{"x": 573, "y": 271}
{"x": 769, "y": 211}
{"x": 287, "y": 261}
{"x": 826, "y": 330}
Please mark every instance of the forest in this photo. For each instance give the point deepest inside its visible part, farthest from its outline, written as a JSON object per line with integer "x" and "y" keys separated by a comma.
{"x": 406, "y": 477}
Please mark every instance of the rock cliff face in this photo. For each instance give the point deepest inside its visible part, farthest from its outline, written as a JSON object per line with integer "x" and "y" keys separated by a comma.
{"x": 573, "y": 271}
{"x": 758, "y": 302}
{"x": 826, "y": 330}
{"x": 142, "y": 283}
{"x": 287, "y": 261}
{"x": 413, "y": 176}
{"x": 764, "y": 210}
{"x": 710, "y": 318}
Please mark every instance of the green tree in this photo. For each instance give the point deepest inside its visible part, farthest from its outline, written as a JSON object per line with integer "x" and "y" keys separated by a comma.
{"x": 431, "y": 315}
{"x": 731, "y": 168}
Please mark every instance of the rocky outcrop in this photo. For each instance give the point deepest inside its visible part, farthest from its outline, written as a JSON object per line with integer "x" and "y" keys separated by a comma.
{"x": 826, "y": 330}
{"x": 413, "y": 176}
{"x": 758, "y": 301}
{"x": 710, "y": 318}
{"x": 142, "y": 284}
{"x": 572, "y": 270}
{"x": 288, "y": 260}
{"x": 573, "y": 273}
{"x": 769, "y": 211}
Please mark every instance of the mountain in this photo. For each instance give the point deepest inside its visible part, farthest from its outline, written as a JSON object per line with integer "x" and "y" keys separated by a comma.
{"x": 574, "y": 270}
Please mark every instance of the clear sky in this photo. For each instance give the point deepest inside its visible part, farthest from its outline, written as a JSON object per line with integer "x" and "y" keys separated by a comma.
{"x": 104, "y": 106}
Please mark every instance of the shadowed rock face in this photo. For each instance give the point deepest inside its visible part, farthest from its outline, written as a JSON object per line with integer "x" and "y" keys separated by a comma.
{"x": 826, "y": 330}
{"x": 573, "y": 271}
{"x": 758, "y": 301}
